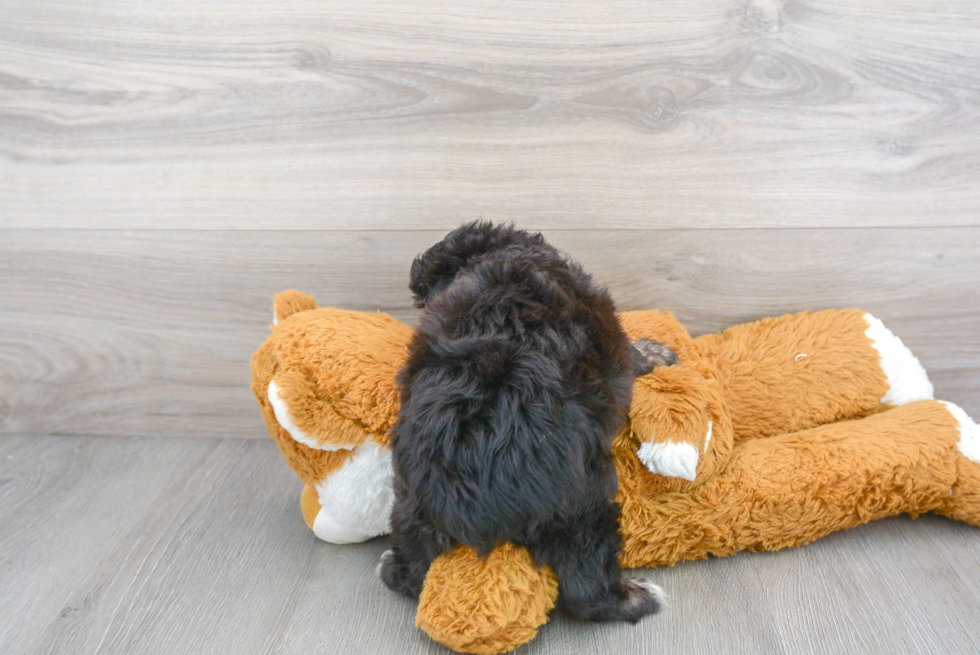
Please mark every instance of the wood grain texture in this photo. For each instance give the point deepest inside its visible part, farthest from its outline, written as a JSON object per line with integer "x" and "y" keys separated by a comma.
{"x": 369, "y": 114}
{"x": 166, "y": 167}
{"x": 157, "y": 546}
{"x": 146, "y": 546}
{"x": 150, "y": 333}
{"x": 899, "y": 590}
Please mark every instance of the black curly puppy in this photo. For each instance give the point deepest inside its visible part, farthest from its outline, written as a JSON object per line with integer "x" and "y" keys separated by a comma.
{"x": 517, "y": 380}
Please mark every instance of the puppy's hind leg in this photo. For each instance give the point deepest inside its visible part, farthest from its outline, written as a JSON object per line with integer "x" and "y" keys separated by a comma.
{"x": 583, "y": 551}
{"x": 414, "y": 544}
{"x": 648, "y": 355}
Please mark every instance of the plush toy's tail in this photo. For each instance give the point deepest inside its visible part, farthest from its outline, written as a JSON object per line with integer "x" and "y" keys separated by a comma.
{"x": 289, "y": 302}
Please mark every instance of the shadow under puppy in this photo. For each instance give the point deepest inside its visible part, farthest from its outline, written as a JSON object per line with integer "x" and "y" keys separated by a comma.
{"x": 517, "y": 380}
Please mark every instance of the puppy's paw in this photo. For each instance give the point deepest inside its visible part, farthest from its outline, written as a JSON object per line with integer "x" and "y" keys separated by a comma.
{"x": 400, "y": 576}
{"x": 647, "y": 355}
{"x": 642, "y": 598}
{"x": 387, "y": 569}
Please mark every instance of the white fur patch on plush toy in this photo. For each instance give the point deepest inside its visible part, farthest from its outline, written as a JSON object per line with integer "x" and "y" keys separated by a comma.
{"x": 969, "y": 443}
{"x": 281, "y": 410}
{"x": 907, "y": 379}
{"x": 359, "y": 494}
{"x": 356, "y": 499}
{"x": 674, "y": 460}
{"x": 328, "y": 529}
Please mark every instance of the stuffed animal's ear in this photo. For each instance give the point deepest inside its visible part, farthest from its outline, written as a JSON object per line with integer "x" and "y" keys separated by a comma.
{"x": 289, "y": 302}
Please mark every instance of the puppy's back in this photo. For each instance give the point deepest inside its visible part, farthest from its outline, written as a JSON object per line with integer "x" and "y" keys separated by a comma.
{"x": 517, "y": 379}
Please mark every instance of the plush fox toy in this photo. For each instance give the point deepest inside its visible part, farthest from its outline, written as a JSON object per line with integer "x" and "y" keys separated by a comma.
{"x": 766, "y": 436}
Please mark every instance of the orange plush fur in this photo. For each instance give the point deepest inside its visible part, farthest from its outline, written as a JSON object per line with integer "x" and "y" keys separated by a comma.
{"x": 768, "y": 435}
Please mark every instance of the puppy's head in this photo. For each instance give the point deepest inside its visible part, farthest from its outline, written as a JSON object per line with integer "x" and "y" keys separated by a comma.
{"x": 434, "y": 270}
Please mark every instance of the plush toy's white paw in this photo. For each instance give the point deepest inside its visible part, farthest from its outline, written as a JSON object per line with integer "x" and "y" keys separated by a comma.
{"x": 907, "y": 379}
{"x": 674, "y": 460}
{"x": 281, "y": 410}
{"x": 969, "y": 444}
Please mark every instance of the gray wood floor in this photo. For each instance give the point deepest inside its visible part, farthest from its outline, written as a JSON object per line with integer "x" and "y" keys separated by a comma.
{"x": 166, "y": 167}
{"x": 144, "y": 545}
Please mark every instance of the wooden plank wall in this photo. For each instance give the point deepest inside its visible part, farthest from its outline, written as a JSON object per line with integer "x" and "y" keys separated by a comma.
{"x": 165, "y": 168}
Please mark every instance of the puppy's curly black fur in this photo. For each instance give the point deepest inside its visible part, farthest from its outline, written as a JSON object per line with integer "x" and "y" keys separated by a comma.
{"x": 517, "y": 380}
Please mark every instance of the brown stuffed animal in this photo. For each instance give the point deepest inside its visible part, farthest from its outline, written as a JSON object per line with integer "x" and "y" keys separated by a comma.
{"x": 768, "y": 435}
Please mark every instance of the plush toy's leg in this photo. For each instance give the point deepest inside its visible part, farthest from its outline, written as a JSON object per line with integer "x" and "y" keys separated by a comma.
{"x": 792, "y": 489}
{"x": 794, "y": 372}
